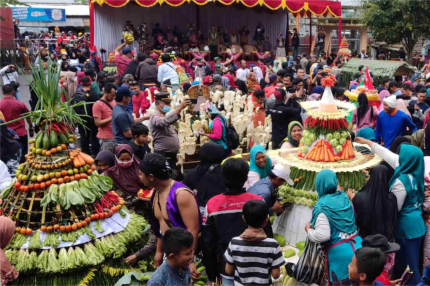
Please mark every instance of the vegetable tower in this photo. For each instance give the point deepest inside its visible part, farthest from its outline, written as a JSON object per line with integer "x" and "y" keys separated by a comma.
{"x": 326, "y": 144}
{"x": 67, "y": 217}
{"x": 326, "y": 137}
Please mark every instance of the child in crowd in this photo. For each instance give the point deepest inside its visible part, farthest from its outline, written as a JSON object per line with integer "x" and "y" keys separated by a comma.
{"x": 252, "y": 257}
{"x": 178, "y": 248}
{"x": 140, "y": 140}
{"x": 366, "y": 265}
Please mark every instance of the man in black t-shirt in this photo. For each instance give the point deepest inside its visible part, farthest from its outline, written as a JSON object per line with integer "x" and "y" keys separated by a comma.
{"x": 320, "y": 41}
{"x": 89, "y": 134}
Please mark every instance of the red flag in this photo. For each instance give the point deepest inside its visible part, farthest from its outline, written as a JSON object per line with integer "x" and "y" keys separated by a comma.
{"x": 368, "y": 80}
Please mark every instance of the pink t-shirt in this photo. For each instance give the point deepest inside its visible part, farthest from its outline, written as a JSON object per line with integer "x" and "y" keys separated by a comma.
{"x": 121, "y": 64}
{"x": 102, "y": 111}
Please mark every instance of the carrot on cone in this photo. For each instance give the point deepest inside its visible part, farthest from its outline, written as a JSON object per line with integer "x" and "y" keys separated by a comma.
{"x": 325, "y": 153}
{"x": 330, "y": 156}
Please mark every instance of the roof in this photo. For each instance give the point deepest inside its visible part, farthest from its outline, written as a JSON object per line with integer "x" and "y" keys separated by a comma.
{"x": 379, "y": 69}
{"x": 71, "y": 10}
{"x": 296, "y": 7}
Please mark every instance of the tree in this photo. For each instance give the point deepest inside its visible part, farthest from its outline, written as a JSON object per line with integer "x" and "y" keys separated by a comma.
{"x": 398, "y": 21}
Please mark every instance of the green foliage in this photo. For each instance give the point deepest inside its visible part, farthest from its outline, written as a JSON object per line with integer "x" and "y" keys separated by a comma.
{"x": 280, "y": 239}
{"x": 397, "y": 21}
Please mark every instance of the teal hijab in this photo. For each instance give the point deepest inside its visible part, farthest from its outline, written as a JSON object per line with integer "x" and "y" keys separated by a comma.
{"x": 366, "y": 133}
{"x": 262, "y": 171}
{"x": 334, "y": 204}
{"x": 411, "y": 162}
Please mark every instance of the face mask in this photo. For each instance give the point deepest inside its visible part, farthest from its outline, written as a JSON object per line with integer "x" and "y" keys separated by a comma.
{"x": 125, "y": 164}
{"x": 165, "y": 109}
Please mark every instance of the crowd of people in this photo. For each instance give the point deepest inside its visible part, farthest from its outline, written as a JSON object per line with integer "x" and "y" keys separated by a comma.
{"x": 220, "y": 209}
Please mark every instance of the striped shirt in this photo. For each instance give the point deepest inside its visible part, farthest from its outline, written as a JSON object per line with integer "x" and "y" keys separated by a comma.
{"x": 253, "y": 260}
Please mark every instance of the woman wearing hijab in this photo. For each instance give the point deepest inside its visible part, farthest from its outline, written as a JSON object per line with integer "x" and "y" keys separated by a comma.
{"x": 365, "y": 115}
{"x": 206, "y": 178}
{"x": 259, "y": 167}
{"x": 295, "y": 133}
{"x": 367, "y": 133}
{"x": 125, "y": 173}
{"x": 104, "y": 160}
{"x": 218, "y": 127}
{"x": 207, "y": 80}
{"x": 407, "y": 184}
{"x": 375, "y": 206}
{"x": 8, "y": 273}
{"x": 333, "y": 226}
{"x": 225, "y": 82}
{"x": 230, "y": 79}
{"x": 251, "y": 81}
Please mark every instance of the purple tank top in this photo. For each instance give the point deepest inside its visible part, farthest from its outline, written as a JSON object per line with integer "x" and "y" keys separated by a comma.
{"x": 172, "y": 210}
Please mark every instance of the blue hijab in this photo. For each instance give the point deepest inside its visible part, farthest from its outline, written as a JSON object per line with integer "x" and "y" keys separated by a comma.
{"x": 333, "y": 203}
{"x": 262, "y": 171}
{"x": 367, "y": 133}
{"x": 411, "y": 162}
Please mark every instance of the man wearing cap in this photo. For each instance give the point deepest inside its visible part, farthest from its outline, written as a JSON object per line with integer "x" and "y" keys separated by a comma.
{"x": 94, "y": 86}
{"x": 392, "y": 122}
{"x": 147, "y": 70}
{"x": 122, "y": 61}
{"x": 166, "y": 141}
{"x": 267, "y": 187}
{"x": 121, "y": 117}
{"x": 200, "y": 69}
{"x": 88, "y": 132}
{"x": 168, "y": 71}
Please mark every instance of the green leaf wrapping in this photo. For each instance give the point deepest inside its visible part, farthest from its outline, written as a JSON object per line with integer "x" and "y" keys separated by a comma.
{"x": 35, "y": 242}
{"x": 69, "y": 236}
{"x": 23, "y": 260}
{"x": 93, "y": 256}
{"x": 42, "y": 261}
{"x": 80, "y": 259}
{"x": 12, "y": 256}
{"x": 71, "y": 262}
{"x": 53, "y": 264}
{"x": 98, "y": 226}
{"x": 62, "y": 260}
{"x": 33, "y": 260}
{"x": 18, "y": 240}
{"x": 89, "y": 232}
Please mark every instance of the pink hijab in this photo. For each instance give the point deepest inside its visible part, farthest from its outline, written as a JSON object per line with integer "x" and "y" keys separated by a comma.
{"x": 383, "y": 94}
{"x": 7, "y": 271}
{"x": 126, "y": 179}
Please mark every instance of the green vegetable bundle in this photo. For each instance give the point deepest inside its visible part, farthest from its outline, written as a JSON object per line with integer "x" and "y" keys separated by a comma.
{"x": 280, "y": 239}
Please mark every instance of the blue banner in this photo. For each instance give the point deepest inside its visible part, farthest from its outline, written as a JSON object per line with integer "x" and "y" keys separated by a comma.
{"x": 39, "y": 14}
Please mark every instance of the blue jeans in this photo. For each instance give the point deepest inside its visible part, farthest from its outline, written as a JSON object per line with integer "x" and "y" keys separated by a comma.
{"x": 227, "y": 282}
{"x": 295, "y": 51}
{"x": 409, "y": 254}
{"x": 17, "y": 94}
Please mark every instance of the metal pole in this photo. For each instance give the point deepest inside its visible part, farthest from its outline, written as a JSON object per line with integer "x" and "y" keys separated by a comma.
{"x": 287, "y": 36}
{"x": 310, "y": 33}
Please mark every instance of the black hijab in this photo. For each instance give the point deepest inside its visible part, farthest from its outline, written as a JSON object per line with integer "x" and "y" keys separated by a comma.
{"x": 9, "y": 145}
{"x": 375, "y": 206}
{"x": 206, "y": 178}
{"x": 427, "y": 140}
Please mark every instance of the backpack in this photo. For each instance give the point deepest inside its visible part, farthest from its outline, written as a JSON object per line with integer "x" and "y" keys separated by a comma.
{"x": 231, "y": 137}
{"x": 80, "y": 95}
